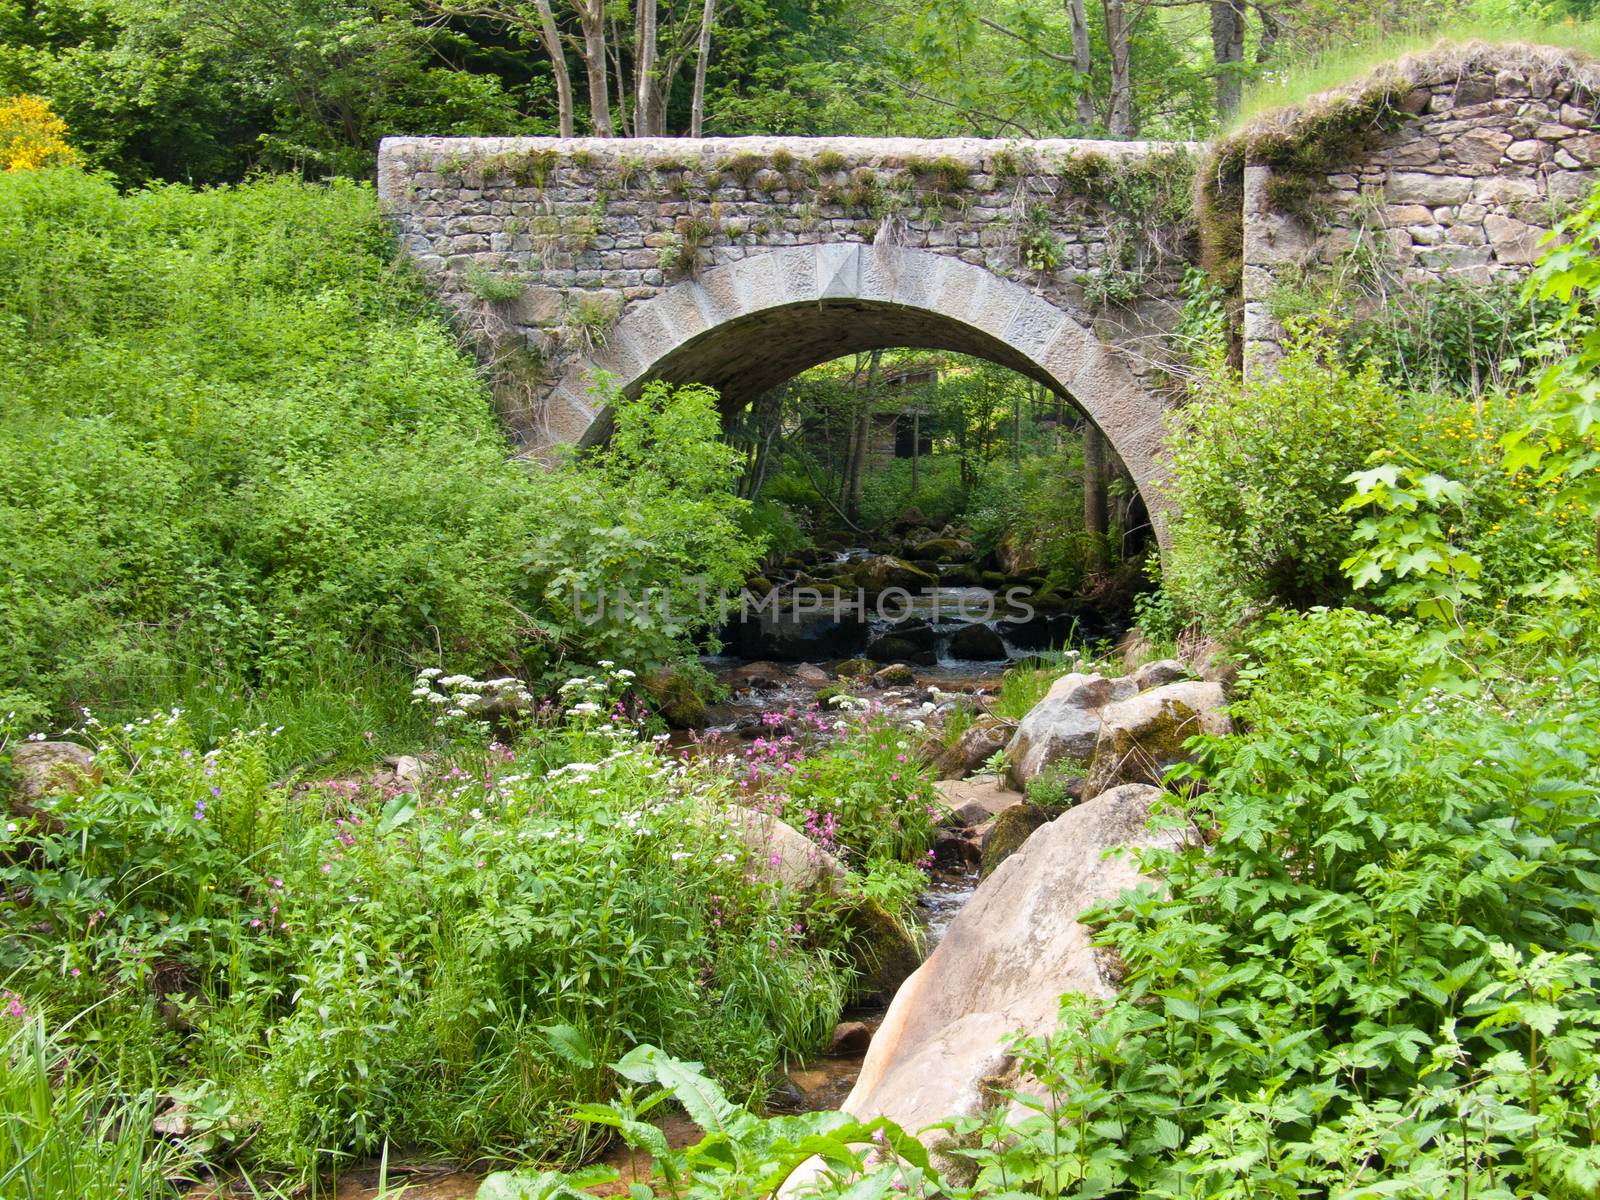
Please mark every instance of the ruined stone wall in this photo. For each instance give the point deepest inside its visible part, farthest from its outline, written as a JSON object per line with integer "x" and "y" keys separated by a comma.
{"x": 1476, "y": 154}
{"x": 544, "y": 245}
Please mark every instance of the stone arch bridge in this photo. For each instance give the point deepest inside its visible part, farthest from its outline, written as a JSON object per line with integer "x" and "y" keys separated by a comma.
{"x": 741, "y": 262}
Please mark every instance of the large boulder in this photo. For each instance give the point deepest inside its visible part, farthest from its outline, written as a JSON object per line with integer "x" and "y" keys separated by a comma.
{"x": 1015, "y": 555}
{"x": 1140, "y": 737}
{"x": 942, "y": 549}
{"x": 40, "y": 768}
{"x": 884, "y": 571}
{"x": 976, "y": 746}
{"x": 882, "y": 951}
{"x": 977, "y": 643}
{"x": 1065, "y": 724}
{"x": 1160, "y": 673}
{"x": 676, "y": 699}
{"x": 781, "y": 854}
{"x": 1007, "y": 834}
{"x": 1002, "y": 966}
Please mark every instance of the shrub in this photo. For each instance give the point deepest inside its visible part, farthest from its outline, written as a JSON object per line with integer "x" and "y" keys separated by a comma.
{"x": 1257, "y": 479}
{"x": 241, "y": 448}
{"x": 32, "y": 136}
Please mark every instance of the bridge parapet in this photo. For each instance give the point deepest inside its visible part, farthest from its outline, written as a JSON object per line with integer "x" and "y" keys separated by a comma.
{"x": 546, "y": 245}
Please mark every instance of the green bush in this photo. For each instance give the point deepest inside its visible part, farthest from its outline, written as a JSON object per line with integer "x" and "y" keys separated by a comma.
{"x": 1257, "y": 479}
{"x": 241, "y": 450}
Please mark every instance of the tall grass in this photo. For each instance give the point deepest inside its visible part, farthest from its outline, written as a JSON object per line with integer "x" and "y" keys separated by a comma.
{"x": 1343, "y": 63}
{"x": 64, "y": 1136}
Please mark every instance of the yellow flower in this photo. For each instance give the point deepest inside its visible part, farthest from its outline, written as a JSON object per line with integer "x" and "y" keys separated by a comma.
{"x": 31, "y": 136}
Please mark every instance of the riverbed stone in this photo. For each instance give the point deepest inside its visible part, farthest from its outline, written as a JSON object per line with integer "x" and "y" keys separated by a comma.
{"x": 977, "y": 643}
{"x": 1003, "y": 965}
{"x": 1011, "y": 828}
{"x": 1064, "y": 725}
{"x": 978, "y": 743}
{"x": 1141, "y": 737}
{"x": 973, "y": 802}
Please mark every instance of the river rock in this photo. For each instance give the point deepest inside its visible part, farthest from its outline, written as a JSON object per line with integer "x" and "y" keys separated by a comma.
{"x": 1142, "y": 736}
{"x": 676, "y": 699}
{"x": 894, "y": 675}
{"x": 1159, "y": 673}
{"x": 758, "y": 677}
{"x": 1065, "y": 724}
{"x": 810, "y": 675}
{"x": 943, "y": 550}
{"x": 849, "y": 1039}
{"x": 975, "y": 801}
{"x": 1011, "y": 828}
{"x": 40, "y": 768}
{"x": 977, "y": 643}
{"x": 827, "y": 623}
{"x": 977, "y": 745}
{"x": 1002, "y": 966}
{"x": 781, "y": 854}
{"x": 884, "y": 571}
{"x": 882, "y": 951}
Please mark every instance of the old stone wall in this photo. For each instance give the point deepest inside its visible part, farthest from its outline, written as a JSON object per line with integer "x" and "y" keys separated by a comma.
{"x": 1474, "y": 156}
{"x": 545, "y": 246}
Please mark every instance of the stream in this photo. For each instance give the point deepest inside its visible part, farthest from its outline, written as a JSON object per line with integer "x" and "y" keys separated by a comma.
{"x": 779, "y": 672}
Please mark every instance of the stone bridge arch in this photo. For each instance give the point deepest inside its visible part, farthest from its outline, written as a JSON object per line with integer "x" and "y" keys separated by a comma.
{"x": 749, "y": 325}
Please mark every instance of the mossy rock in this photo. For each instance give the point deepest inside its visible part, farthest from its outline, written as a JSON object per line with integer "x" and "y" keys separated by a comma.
{"x": 676, "y": 699}
{"x": 758, "y": 585}
{"x": 942, "y": 550}
{"x": 1006, "y": 836}
{"x": 994, "y": 579}
{"x": 882, "y": 951}
{"x": 894, "y": 675}
{"x": 884, "y": 571}
{"x": 853, "y": 668}
{"x": 891, "y": 649}
{"x": 963, "y": 575}
{"x": 825, "y": 696}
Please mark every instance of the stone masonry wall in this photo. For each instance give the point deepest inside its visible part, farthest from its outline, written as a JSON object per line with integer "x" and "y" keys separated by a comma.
{"x": 1491, "y": 150}
{"x": 543, "y": 245}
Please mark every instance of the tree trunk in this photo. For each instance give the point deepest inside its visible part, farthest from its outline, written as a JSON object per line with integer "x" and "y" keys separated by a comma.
{"x": 1119, "y": 119}
{"x": 1094, "y": 496}
{"x": 1227, "y": 52}
{"x": 1271, "y": 27}
{"x": 592, "y": 16}
{"x": 697, "y": 107}
{"x": 858, "y": 460}
{"x": 645, "y": 121}
{"x": 916, "y": 450}
{"x": 1082, "y": 62}
{"x": 551, "y": 36}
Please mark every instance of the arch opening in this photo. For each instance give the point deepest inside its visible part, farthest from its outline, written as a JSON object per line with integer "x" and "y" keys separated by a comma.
{"x": 748, "y": 326}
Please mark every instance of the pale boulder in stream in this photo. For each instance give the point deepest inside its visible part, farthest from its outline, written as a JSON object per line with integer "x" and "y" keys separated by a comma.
{"x": 1064, "y": 725}
{"x": 1003, "y": 965}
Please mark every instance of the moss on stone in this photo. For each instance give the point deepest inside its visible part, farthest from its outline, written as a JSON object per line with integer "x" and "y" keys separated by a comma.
{"x": 882, "y": 951}
{"x": 1011, "y": 829}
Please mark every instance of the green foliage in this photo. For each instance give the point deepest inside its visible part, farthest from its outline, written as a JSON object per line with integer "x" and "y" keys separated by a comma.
{"x": 486, "y": 285}
{"x": 65, "y": 1134}
{"x": 867, "y": 795}
{"x": 1258, "y": 476}
{"x": 1560, "y": 447}
{"x": 1051, "y": 788}
{"x": 241, "y": 448}
{"x": 352, "y": 962}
